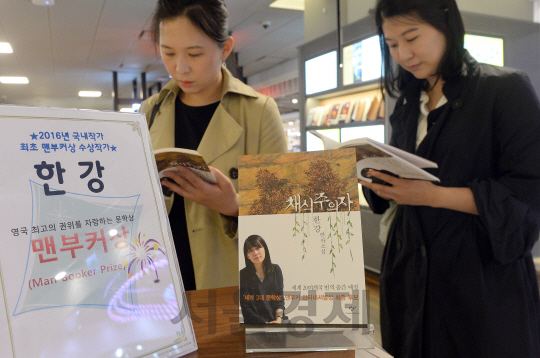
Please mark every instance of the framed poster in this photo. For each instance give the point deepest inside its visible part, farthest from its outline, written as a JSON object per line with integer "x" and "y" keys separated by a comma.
{"x": 87, "y": 266}
{"x": 300, "y": 240}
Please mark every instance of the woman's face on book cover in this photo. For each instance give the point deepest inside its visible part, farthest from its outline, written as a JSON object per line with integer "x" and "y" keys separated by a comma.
{"x": 256, "y": 255}
{"x": 415, "y": 45}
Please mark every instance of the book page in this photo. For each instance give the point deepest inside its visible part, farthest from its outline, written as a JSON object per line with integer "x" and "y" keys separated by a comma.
{"x": 371, "y": 154}
{"x": 370, "y": 157}
{"x": 411, "y": 158}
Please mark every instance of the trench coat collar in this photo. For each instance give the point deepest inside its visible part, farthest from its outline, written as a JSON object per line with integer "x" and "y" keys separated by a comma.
{"x": 223, "y": 130}
{"x": 221, "y": 134}
{"x": 233, "y": 85}
{"x": 230, "y": 85}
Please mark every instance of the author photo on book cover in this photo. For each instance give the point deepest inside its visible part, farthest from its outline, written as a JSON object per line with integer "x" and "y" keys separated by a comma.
{"x": 457, "y": 276}
{"x": 261, "y": 285}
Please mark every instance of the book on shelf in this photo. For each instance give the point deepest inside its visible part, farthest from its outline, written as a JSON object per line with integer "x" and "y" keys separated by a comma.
{"x": 371, "y": 154}
{"x": 320, "y": 116}
{"x": 325, "y": 113}
{"x": 344, "y": 112}
{"x": 354, "y": 114}
{"x": 311, "y": 118}
{"x": 351, "y": 112}
{"x": 362, "y": 109}
{"x": 373, "y": 112}
{"x": 305, "y": 208}
{"x": 167, "y": 159}
{"x": 382, "y": 109}
{"x": 333, "y": 116}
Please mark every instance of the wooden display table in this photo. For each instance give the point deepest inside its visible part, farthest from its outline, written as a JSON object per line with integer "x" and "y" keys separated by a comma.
{"x": 214, "y": 314}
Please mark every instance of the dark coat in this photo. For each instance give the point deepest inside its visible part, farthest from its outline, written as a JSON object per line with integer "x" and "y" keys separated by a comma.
{"x": 260, "y": 300}
{"x": 455, "y": 284}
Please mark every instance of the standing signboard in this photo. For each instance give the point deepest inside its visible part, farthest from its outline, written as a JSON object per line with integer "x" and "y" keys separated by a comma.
{"x": 87, "y": 265}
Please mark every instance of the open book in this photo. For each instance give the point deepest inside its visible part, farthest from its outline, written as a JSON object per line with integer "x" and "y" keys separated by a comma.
{"x": 167, "y": 159}
{"x": 371, "y": 154}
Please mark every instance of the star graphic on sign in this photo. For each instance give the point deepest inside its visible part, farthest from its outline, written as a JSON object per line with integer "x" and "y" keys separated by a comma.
{"x": 34, "y": 136}
{"x": 113, "y": 148}
{"x": 59, "y": 214}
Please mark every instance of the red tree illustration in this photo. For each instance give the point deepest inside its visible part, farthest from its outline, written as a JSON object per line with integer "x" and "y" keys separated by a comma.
{"x": 323, "y": 179}
{"x": 273, "y": 193}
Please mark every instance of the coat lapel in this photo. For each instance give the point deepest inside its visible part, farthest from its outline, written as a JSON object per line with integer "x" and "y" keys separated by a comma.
{"x": 222, "y": 133}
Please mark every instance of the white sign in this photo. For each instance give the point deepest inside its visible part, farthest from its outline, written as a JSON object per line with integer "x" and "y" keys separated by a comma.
{"x": 87, "y": 268}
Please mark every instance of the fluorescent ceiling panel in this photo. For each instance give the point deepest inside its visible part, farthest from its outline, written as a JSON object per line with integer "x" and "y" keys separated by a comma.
{"x": 288, "y": 4}
{"x": 5, "y": 47}
{"x": 89, "y": 94}
{"x": 22, "y": 80}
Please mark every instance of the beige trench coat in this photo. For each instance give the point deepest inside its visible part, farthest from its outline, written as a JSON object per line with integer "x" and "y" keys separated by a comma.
{"x": 245, "y": 122}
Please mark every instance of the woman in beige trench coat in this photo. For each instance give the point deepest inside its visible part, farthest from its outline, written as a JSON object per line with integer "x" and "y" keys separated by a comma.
{"x": 244, "y": 122}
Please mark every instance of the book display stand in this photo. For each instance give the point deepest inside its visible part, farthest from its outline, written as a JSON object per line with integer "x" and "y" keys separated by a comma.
{"x": 300, "y": 216}
{"x": 308, "y": 338}
{"x": 314, "y": 337}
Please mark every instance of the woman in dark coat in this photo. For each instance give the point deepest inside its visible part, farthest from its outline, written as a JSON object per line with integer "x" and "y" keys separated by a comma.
{"x": 457, "y": 277}
{"x": 261, "y": 284}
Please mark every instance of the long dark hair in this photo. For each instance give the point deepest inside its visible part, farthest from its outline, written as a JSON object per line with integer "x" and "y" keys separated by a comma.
{"x": 441, "y": 14}
{"x": 257, "y": 241}
{"x": 210, "y": 16}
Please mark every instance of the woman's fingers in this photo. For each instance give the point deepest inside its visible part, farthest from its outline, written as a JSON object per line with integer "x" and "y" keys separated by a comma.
{"x": 221, "y": 197}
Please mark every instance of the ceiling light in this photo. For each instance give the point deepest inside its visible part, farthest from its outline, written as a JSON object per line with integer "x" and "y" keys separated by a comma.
{"x": 43, "y": 2}
{"x": 294, "y": 100}
{"x": 291, "y": 123}
{"x": 89, "y": 94}
{"x": 5, "y": 47}
{"x": 127, "y": 110}
{"x": 22, "y": 80}
{"x": 288, "y": 4}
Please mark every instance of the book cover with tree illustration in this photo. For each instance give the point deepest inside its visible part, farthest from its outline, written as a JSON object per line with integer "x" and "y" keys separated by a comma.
{"x": 168, "y": 159}
{"x": 305, "y": 208}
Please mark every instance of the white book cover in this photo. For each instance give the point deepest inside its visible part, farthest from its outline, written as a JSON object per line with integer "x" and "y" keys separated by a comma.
{"x": 325, "y": 114}
{"x": 365, "y": 110}
{"x": 300, "y": 239}
{"x": 356, "y": 113}
{"x": 320, "y": 116}
{"x": 371, "y": 154}
{"x": 88, "y": 267}
{"x": 311, "y": 117}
